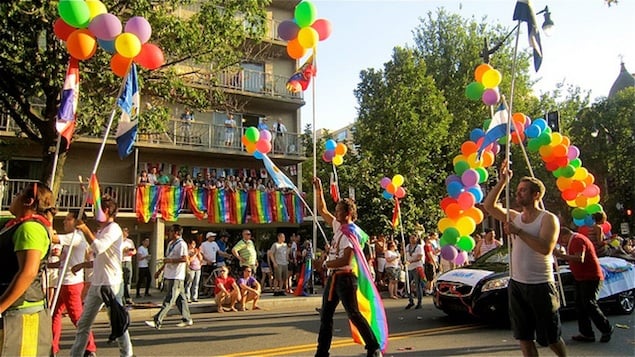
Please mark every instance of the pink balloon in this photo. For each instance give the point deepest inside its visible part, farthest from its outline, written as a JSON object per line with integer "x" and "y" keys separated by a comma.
{"x": 328, "y": 155}
{"x": 400, "y": 193}
{"x": 591, "y": 191}
{"x": 263, "y": 146}
{"x": 105, "y": 26}
{"x": 140, "y": 27}
{"x": 573, "y": 152}
{"x": 461, "y": 258}
{"x": 606, "y": 227}
{"x": 265, "y": 135}
{"x": 384, "y": 182}
{"x": 490, "y": 96}
{"x": 323, "y": 28}
{"x": 466, "y": 200}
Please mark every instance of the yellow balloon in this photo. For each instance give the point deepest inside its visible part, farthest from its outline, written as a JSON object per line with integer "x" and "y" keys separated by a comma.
{"x": 308, "y": 37}
{"x": 458, "y": 158}
{"x": 445, "y": 223}
{"x": 473, "y": 160}
{"x": 593, "y": 200}
{"x": 128, "y": 45}
{"x": 338, "y": 160}
{"x": 465, "y": 225}
{"x": 95, "y": 7}
{"x": 556, "y": 138}
{"x": 397, "y": 180}
{"x": 572, "y": 203}
{"x": 492, "y": 78}
{"x": 580, "y": 174}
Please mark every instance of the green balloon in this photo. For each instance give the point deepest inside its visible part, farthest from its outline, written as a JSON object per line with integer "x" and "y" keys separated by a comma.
{"x": 74, "y": 12}
{"x": 474, "y": 90}
{"x": 545, "y": 138}
{"x": 557, "y": 173}
{"x": 568, "y": 171}
{"x": 533, "y": 145}
{"x": 450, "y": 236}
{"x": 593, "y": 208}
{"x": 466, "y": 243}
{"x": 252, "y": 134}
{"x": 460, "y": 167}
{"x": 486, "y": 124}
{"x": 576, "y": 163}
{"x": 482, "y": 174}
{"x": 579, "y": 213}
{"x": 305, "y": 14}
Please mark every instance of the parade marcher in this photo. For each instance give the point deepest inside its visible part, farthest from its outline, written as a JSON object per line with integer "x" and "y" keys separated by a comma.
{"x": 533, "y": 298}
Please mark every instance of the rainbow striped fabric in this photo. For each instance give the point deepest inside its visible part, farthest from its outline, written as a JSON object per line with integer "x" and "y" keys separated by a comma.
{"x": 368, "y": 299}
{"x": 170, "y": 202}
{"x": 147, "y": 202}
{"x": 95, "y": 193}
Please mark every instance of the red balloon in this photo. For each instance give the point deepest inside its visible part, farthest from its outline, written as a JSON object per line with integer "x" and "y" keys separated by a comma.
{"x": 453, "y": 211}
{"x": 150, "y": 56}
{"x": 569, "y": 194}
{"x": 606, "y": 227}
{"x": 468, "y": 148}
{"x": 62, "y": 30}
{"x": 446, "y": 201}
{"x": 584, "y": 230}
{"x": 466, "y": 200}
{"x": 400, "y": 193}
{"x": 119, "y": 64}
{"x": 323, "y": 28}
{"x": 551, "y": 165}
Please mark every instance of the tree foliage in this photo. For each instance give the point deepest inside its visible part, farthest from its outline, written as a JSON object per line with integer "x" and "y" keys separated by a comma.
{"x": 195, "y": 43}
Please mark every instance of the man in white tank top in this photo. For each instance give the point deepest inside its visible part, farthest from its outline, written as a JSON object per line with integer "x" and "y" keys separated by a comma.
{"x": 534, "y": 300}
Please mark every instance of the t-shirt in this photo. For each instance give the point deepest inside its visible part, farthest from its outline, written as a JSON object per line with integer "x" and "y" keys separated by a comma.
{"x": 412, "y": 252}
{"x": 339, "y": 243}
{"x": 79, "y": 246}
{"x": 250, "y": 282}
{"x": 222, "y": 247}
{"x": 127, "y": 244}
{"x": 228, "y": 283}
{"x": 176, "y": 250}
{"x": 107, "y": 252}
{"x": 389, "y": 254}
{"x": 142, "y": 253}
{"x": 229, "y": 125}
{"x": 280, "y": 252}
{"x": 247, "y": 251}
{"x": 209, "y": 251}
{"x": 31, "y": 236}
{"x": 590, "y": 269}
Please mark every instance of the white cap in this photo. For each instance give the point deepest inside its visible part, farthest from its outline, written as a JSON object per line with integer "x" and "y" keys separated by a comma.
{"x": 210, "y": 234}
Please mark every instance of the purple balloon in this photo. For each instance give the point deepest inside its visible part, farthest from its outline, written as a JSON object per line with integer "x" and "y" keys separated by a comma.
{"x": 266, "y": 134}
{"x": 470, "y": 177}
{"x": 139, "y": 26}
{"x": 288, "y": 30}
{"x": 452, "y": 178}
{"x": 461, "y": 258}
{"x": 105, "y": 26}
{"x": 449, "y": 252}
{"x": 490, "y": 96}
{"x": 384, "y": 182}
{"x": 328, "y": 155}
{"x": 573, "y": 152}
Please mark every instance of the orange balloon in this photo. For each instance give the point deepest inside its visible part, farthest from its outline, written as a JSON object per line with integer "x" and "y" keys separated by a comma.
{"x": 560, "y": 150}
{"x": 391, "y": 188}
{"x": 519, "y": 118}
{"x": 590, "y": 179}
{"x": 341, "y": 149}
{"x": 578, "y": 186}
{"x": 545, "y": 151}
{"x": 563, "y": 183}
{"x": 250, "y": 148}
{"x": 295, "y": 50}
{"x": 120, "y": 64}
{"x": 566, "y": 141}
{"x": 581, "y": 201}
{"x": 81, "y": 44}
{"x": 468, "y": 147}
{"x": 487, "y": 158}
{"x": 453, "y": 211}
{"x": 480, "y": 70}
{"x": 475, "y": 213}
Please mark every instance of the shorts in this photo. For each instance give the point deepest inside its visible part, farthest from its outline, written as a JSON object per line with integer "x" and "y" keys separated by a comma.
{"x": 381, "y": 264}
{"x": 281, "y": 273}
{"x": 429, "y": 271}
{"x": 393, "y": 273}
{"x": 533, "y": 311}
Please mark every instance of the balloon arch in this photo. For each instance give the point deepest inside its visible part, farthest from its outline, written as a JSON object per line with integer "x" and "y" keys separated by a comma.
{"x": 560, "y": 157}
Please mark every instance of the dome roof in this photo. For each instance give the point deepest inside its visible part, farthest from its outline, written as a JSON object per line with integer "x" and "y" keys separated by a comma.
{"x": 624, "y": 80}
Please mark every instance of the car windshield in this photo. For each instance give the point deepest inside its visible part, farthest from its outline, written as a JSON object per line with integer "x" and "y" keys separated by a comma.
{"x": 498, "y": 255}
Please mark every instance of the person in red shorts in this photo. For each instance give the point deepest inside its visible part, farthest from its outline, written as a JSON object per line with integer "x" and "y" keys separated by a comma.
{"x": 586, "y": 270}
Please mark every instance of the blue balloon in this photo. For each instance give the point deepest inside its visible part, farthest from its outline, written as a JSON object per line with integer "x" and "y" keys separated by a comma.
{"x": 533, "y": 131}
{"x": 477, "y": 192}
{"x": 578, "y": 222}
{"x": 589, "y": 221}
{"x": 542, "y": 124}
{"x": 258, "y": 155}
{"x": 452, "y": 178}
{"x": 387, "y": 195}
{"x": 108, "y": 46}
{"x": 454, "y": 189}
{"x": 330, "y": 144}
{"x": 476, "y": 134}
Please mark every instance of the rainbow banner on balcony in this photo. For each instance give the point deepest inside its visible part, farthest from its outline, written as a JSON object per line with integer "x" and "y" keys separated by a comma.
{"x": 221, "y": 206}
{"x": 147, "y": 198}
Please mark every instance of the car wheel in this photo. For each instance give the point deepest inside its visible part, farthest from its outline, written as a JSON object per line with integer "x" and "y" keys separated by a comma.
{"x": 626, "y": 302}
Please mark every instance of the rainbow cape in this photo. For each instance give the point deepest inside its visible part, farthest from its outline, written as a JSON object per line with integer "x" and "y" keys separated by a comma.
{"x": 369, "y": 301}
{"x": 95, "y": 195}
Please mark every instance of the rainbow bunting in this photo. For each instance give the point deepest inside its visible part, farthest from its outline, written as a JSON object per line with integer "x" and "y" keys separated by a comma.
{"x": 93, "y": 187}
{"x": 279, "y": 209}
{"x": 197, "y": 198}
{"x": 213, "y": 214}
{"x": 368, "y": 298}
{"x": 240, "y": 206}
{"x": 170, "y": 202}
{"x": 147, "y": 202}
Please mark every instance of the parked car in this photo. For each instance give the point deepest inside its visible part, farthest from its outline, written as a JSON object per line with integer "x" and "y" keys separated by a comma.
{"x": 480, "y": 289}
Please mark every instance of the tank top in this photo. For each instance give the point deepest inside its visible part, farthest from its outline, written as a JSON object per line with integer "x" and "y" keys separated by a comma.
{"x": 529, "y": 266}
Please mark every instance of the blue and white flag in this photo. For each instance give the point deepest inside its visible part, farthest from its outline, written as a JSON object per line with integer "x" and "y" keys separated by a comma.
{"x": 496, "y": 130}
{"x": 279, "y": 178}
{"x": 128, "y": 123}
{"x": 524, "y": 12}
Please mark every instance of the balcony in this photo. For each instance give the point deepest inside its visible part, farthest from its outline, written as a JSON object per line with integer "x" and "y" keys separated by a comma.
{"x": 217, "y": 206}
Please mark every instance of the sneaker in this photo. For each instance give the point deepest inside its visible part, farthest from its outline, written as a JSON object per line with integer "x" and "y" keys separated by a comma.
{"x": 606, "y": 337}
{"x": 185, "y": 323}
{"x": 153, "y": 324}
{"x": 195, "y": 300}
{"x": 375, "y": 353}
{"x": 582, "y": 338}
{"x": 418, "y": 307}
{"x": 410, "y": 304}
{"x": 129, "y": 302}
{"x": 90, "y": 354}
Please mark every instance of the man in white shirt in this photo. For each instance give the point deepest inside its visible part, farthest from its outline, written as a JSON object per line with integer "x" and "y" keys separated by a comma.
{"x": 128, "y": 250}
{"x": 70, "y": 296}
{"x": 230, "y": 128}
{"x": 209, "y": 250}
{"x": 174, "y": 269}
{"x": 143, "y": 260}
{"x": 107, "y": 273}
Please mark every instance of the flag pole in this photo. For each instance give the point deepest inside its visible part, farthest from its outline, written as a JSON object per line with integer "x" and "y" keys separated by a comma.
{"x": 403, "y": 246}
{"x": 97, "y": 161}
{"x": 55, "y": 159}
{"x": 313, "y": 111}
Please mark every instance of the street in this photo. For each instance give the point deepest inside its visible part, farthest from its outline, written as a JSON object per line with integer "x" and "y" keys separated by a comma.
{"x": 288, "y": 326}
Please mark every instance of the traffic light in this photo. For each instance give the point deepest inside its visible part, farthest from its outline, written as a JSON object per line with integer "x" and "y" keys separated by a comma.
{"x": 553, "y": 120}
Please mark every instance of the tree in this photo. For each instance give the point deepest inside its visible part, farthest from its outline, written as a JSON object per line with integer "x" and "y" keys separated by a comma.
{"x": 34, "y": 63}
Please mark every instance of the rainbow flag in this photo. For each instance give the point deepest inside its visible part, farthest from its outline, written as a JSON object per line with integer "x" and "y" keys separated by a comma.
{"x": 278, "y": 208}
{"x": 95, "y": 194}
{"x": 240, "y": 206}
{"x": 259, "y": 207}
{"x": 368, "y": 299}
{"x": 197, "y": 198}
{"x": 213, "y": 211}
{"x": 395, "y": 214}
{"x": 147, "y": 200}
{"x": 170, "y": 202}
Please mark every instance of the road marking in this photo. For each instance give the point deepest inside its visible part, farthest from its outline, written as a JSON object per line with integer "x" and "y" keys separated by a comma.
{"x": 347, "y": 342}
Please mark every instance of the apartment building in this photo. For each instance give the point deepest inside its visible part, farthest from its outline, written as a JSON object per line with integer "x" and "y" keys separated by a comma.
{"x": 196, "y": 147}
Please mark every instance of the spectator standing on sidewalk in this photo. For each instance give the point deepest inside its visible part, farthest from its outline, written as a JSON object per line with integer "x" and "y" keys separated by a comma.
{"x": 143, "y": 259}
{"x": 126, "y": 264}
{"x": 245, "y": 251}
{"x": 194, "y": 272}
{"x": 279, "y": 255}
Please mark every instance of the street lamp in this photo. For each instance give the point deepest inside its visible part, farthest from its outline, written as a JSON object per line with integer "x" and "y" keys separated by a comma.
{"x": 547, "y": 26}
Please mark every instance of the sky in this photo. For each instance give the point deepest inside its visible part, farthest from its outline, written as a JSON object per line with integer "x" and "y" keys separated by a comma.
{"x": 583, "y": 49}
